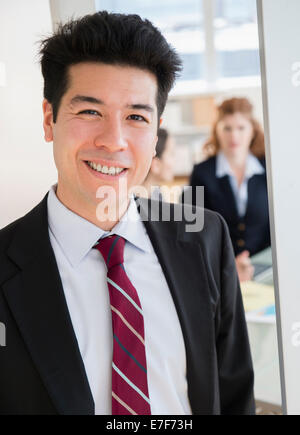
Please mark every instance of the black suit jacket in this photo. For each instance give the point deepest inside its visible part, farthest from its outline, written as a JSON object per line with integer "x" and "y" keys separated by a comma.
{"x": 41, "y": 369}
{"x": 252, "y": 231}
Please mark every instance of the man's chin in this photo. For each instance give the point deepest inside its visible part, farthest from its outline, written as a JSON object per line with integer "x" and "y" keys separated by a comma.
{"x": 111, "y": 209}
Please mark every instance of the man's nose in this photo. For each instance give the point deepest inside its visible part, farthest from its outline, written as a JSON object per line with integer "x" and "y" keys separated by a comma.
{"x": 111, "y": 136}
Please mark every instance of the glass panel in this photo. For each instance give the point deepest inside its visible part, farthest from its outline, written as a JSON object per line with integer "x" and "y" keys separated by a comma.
{"x": 180, "y": 22}
{"x": 236, "y": 38}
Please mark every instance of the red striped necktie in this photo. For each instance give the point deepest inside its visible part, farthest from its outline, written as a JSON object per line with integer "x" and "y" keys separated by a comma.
{"x": 130, "y": 395}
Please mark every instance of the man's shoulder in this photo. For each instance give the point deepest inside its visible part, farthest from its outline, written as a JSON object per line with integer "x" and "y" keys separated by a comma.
{"x": 7, "y": 233}
{"x": 16, "y": 230}
{"x": 6, "y": 236}
{"x": 211, "y": 218}
{"x": 187, "y": 221}
{"x": 200, "y": 224}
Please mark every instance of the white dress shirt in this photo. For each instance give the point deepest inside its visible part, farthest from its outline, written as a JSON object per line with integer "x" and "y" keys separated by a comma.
{"x": 83, "y": 274}
{"x": 253, "y": 167}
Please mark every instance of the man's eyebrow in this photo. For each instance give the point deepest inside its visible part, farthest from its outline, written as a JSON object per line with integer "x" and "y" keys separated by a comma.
{"x": 146, "y": 107}
{"x": 85, "y": 99}
{"x": 88, "y": 99}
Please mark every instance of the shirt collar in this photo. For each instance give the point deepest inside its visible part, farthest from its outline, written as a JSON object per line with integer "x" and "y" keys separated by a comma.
{"x": 253, "y": 166}
{"x": 76, "y": 235}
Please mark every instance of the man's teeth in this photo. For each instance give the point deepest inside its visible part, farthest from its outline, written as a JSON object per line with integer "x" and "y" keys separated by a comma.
{"x": 112, "y": 170}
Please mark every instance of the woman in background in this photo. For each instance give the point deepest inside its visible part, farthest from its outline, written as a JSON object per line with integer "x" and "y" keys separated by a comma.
{"x": 162, "y": 166}
{"x": 234, "y": 180}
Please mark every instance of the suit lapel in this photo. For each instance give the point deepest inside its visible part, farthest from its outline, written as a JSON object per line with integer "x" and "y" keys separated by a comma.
{"x": 36, "y": 298}
{"x": 184, "y": 268}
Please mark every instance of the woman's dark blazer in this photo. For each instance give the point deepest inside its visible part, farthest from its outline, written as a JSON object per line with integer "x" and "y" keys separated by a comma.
{"x": 250, "y": 232}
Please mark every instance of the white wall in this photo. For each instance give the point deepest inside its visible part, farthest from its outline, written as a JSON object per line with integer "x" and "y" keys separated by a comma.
{"x": 279, "y": 42}
{"x": 63, "y": 10}
{"x": 26, "y": 163}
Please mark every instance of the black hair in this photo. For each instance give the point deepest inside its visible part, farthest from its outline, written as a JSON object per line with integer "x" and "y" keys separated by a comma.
{"x": 161, "y": 142}
{"x": 114, "y": 39}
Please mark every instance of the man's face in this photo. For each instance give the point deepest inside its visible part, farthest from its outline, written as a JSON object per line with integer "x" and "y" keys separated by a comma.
{"x": 107, "y": 121}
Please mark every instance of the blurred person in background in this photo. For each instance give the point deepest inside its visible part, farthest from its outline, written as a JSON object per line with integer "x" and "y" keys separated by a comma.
{"x": 234, "y": 180}
{"x": 162, "y": 166}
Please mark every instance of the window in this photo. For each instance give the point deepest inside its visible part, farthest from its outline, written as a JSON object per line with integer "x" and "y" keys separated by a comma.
{"x": 236, "y": 38}
{"x": 180, "y": 22}
{"x": 216, "y": 39}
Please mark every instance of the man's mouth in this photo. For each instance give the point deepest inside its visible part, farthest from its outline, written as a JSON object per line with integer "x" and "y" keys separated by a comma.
{"x": 106, "y": 170}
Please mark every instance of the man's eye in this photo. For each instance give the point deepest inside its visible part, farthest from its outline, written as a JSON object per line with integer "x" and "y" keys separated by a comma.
{"x": 137, "y": 118}
{"x": 89, "y": 112}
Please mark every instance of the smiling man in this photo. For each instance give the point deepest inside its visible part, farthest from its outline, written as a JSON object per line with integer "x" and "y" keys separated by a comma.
{"x": 106, "y": 130}
{"x": 111, "y": 313}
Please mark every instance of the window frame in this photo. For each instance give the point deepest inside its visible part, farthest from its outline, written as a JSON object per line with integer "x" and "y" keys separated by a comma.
{"x": 210, "y": 83}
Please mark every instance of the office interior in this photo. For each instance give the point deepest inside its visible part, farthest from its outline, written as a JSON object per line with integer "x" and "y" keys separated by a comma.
{"x": 218, "y": 41}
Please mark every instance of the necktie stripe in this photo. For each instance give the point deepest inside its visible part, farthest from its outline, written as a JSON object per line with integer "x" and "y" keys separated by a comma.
{"x": 111, "y": 249}
{"x": 134, "y": 347}
{"x": 118, "y": 276}
{"x": 130, "y": 383}
{"x": 128, "y": 311}
{"x": 128, "y": 324}
{"x": 123, "y": 404}
{"x": 129, "y": 354}
{"x": 128, "y": 394}
{"x": 124, "y": 294}
{"x": 129, "y": 368}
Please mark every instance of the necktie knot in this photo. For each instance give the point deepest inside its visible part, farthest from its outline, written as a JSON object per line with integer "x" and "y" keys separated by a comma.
{"x": 112, "y": 250}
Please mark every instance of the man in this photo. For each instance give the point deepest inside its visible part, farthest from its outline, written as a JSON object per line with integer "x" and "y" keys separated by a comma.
{"x": 106, "y": 314}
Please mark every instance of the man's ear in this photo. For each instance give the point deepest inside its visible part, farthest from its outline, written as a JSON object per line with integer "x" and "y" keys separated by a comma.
{"x": 48, "y": 121}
